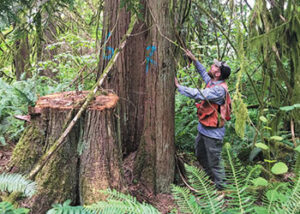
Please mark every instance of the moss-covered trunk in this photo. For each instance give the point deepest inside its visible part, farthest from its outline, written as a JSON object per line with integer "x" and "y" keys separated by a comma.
{"x": 21, "y": 57}
{"x": 88, "y": 161}
{"x": 58, "y": 179}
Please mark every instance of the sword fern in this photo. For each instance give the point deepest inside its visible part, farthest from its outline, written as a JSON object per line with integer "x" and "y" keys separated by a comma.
{"x": 119, "y": 203}
{"x": 240, "y": 200}
{"x": 16, "y": 183}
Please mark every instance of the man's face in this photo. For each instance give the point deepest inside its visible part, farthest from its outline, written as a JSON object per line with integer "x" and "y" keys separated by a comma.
{"x": 214, "y": 71}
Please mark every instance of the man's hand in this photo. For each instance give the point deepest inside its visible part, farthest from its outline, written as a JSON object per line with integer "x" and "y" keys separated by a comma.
{"x": 190, "y": 55}
{"x": 176, "y": 82}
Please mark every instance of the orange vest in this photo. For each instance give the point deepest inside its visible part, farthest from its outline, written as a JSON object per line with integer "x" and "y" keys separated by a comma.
{"x": 211, "y": 114}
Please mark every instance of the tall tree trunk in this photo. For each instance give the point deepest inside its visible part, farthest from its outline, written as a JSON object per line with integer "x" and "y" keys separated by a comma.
{"x": 155, "y": 160}
{"x": 49, "y": 33}
{"x": 45, "y": 35}
{"x": 39, "y": 36}
{"x": 127, "y": 78}
{"x": 21, "y": 57}
{"x": 143, "y": 78}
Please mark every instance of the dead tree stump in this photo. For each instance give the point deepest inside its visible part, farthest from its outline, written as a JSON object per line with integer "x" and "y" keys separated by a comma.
{"x": 88, "y": 161}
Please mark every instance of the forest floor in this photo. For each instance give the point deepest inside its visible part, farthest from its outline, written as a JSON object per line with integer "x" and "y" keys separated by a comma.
{"x": 163, "y": 202}
{"x": 5, "y": 154}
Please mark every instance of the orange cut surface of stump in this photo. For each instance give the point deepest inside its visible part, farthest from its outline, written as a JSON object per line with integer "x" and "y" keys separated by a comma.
{"x": 68, "y": 100}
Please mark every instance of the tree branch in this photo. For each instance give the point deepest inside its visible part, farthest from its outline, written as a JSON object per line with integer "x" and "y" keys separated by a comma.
{"x": 217, "y": 25}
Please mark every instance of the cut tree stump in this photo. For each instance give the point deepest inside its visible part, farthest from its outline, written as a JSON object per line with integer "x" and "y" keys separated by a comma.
{"x": 88, "y": 161}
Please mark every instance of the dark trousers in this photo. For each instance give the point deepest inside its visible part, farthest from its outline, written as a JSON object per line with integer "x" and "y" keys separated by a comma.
{"x": 208, "y": 152}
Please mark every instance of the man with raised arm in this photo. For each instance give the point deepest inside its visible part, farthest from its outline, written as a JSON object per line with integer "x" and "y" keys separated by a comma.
{"x": 213, "y": 110}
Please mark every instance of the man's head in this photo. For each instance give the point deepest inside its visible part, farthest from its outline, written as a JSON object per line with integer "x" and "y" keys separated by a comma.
{"x": 219, "y": 70}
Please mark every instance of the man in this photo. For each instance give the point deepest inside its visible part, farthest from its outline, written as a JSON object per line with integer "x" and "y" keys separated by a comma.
{"x": 213, "y": 110}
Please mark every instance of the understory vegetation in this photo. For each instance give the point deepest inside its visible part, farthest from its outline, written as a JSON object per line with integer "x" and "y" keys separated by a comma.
{"x": 53, "y": 46}
{"x": 246, "y": 192}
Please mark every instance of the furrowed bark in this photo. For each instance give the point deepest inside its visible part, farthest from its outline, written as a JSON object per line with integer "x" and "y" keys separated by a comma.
{"x": 155, "y": 162}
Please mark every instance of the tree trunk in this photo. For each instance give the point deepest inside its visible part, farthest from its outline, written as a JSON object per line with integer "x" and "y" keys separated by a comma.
{"x": 49, "y": 33}
{"x": 155, "y": 159}
{"x": 101, "y": 159}
{"x": 127, "y": 78}
{"x": 21, "y": 57}
{"x": 143, "y": 78}
{"x": 88, "y": 161}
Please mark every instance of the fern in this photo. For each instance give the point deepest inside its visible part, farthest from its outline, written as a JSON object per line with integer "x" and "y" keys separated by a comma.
{"x": 116, "y": 203}
{"x": 16, "y": 183}
{"x": 66, "y": 208}
{"x": 282, "y": 199}
{"x": 8, "y": 208}
{"x": 120, "y": 203}
{"x": 21, "y": 95}
{"x": 240, "y": 201}
{"x": 205, "y": 189}
{"x": 271, "y": 198}
{"x": 185, "y": 200}
{"x": 206, "y": 200}
{"x": 293, "y": 203}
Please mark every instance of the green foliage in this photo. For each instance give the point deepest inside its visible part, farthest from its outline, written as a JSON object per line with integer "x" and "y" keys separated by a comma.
{"x": 278, "y": 197}
{"x": 66, "y": 208}
{"x": 116, "y": 202}
{"x": 12, "y": 12}
{"x": 206, "y": 200}
{"x": 263, "y": 119}
{"x": 186, "y": 119}
{"x": 281, "y": 198}
{"x": 239, "y": 200}
{"x": 292, "y": 204}
{"x": 237, "y": 182}
{"x": 267, "y": 49}
{"x": 185, "y": 200}
{"x": 260, "y": 182}
{"x": 185, "y": 123}
{"x": 74, "y": 55}
{"x": 275, "y": 33}
{"x": 12, "y": 103}
{"x": 290, "y": 108}
{"x": 241, "y": 115}
{"x": 205, "y": 190}
{"x": 15, "y": 99}
{"x": 8, "y": 208}
{"x": 238, "y": 106}
{"x": 262, "y": 146}
{"x": 119, "y": 203}
{"x": 16, "y": 183}
{"x": 9, "y": 11}
{"x": 279, "y": 168}
{"x": 135, "y": 6}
